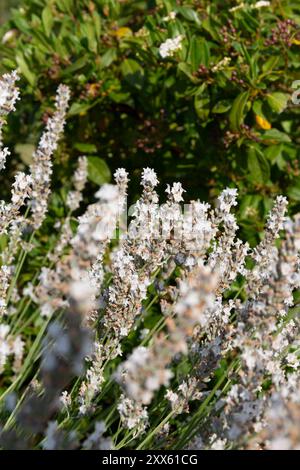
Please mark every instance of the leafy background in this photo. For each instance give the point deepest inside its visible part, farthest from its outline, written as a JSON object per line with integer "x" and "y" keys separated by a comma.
{"x": 236, "y": 126}
{"x": 5, "y": 6}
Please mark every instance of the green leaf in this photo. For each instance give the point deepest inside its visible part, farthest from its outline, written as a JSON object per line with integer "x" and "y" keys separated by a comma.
{"x": 133, "y": 72}
{"x": 85, "y": 148}
{"x": 222, "y": 106}
{"x": 109, "y": 57}
{"x": 25, "y": 70}
{"x": 97, "y": 23}
{"x": 130, "y": 66}
{"x": 249, "y": 204}
{"x": 293, "y": 191}
{"x": 274, "y": 153}
{"x": 3, "y": 242}
{"x": 189, "y": 14}
{"x": 258, "y": 108}
{"x": 258, "y": 166}
{"x": 204, "y": 52}
{"x": 80, "y": 108}
{"x": 65, "y": 5}
{"x": 47, "y": 19}
{"x": 89, "y": 35}
{"x": 252, "y": 61}
{"x": 194, "y": 53}
{"x": 236, "y": 115}
{"x": 198, "y": 53}
{"x": 118, "y": 97}
{"x": 249, "y": 22}
{"x": 21, "y": 23}
{"x": 77, "y": 65}
{"x": 42, "y": 41}
{"x": 202, "y": 103}
{"x": 271, "y": 63}
{"x": 277, "y": 101}
{"x": 8, "y": 63}
{"x": 209, "y": 25}
{"x": 274, "y": 135}
{"x": 98, "y": 171}
{"x": 186, "y": 69}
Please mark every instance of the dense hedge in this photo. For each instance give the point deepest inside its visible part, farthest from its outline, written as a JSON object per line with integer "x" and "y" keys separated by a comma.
{"x": 217, "y": 110}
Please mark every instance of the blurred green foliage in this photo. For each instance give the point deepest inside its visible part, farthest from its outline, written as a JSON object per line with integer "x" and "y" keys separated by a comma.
{"x": 5, "y": 6}
{"x": 190, "y": 116}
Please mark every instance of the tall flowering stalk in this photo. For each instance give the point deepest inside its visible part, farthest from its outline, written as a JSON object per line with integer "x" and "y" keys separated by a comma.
{"x": 41, "y": 168}
{"x": 12, "y": 222}
{"x": 9, "y": 94}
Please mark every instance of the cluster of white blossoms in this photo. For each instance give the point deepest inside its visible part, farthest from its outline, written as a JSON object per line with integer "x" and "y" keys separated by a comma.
{"x": 261, "y": 4}
{"x": 10, "y": 346}
{"x": 170, "y": 16}
{"x": 79, "y": 181}
{"x": 171, "y": 46}
{"x": 176, "y": 191}
{"x": 223, "y": 64}
{"x": 9, "y": 93}
{"x": 133, "y": 415}
{"x": 255, "y": 6}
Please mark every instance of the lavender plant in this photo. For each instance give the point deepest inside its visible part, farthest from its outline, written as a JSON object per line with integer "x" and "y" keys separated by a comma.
{"x": 163, "y": 331}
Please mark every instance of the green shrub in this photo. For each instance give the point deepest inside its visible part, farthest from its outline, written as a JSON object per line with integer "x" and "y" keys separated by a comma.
{"x": 218, "y": 110}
